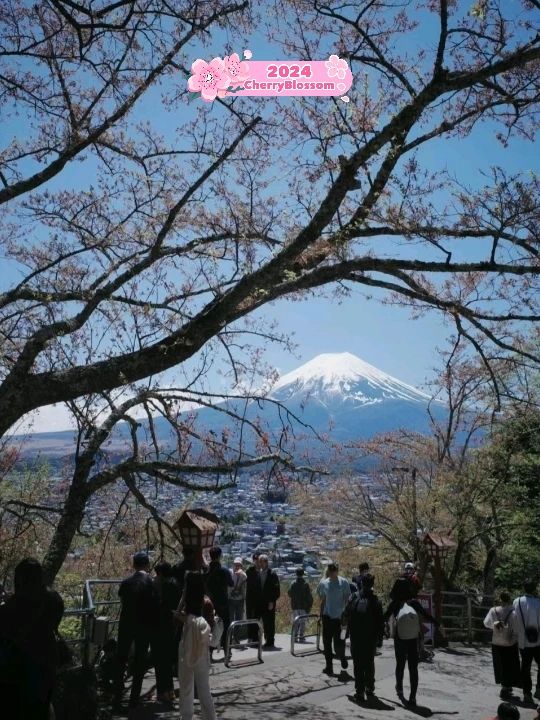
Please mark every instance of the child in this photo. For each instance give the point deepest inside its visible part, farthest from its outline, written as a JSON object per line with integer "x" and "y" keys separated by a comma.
{"x": 507, "y": 711}
{"x": 107, "y": 667}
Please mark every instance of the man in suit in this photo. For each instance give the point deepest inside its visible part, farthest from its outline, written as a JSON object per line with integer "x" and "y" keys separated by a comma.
{"x": 218, "y": 581}
{"x": 270, "y": 592}
{"x": 253, "y": 597}
{"x": 139, "y": 622}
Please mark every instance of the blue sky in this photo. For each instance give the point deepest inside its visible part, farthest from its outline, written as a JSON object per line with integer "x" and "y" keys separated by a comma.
{"x": 384, "y": 336}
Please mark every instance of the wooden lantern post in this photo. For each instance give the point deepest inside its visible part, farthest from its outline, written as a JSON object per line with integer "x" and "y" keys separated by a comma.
{"x": 197, "y": 528}
{"x": 438, "y": 547}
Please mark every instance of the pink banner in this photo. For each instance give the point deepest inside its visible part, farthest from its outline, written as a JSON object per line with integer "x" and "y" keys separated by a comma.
{"x": 229, "y": 76}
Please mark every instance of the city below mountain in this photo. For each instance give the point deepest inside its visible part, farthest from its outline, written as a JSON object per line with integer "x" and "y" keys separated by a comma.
{"x": 336, "y": 394}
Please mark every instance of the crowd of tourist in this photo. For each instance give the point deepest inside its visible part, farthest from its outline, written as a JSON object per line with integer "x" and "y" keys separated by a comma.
{"x": 182, "y": 614}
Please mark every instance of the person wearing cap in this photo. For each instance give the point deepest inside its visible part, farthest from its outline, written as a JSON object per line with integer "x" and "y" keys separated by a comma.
{"x": 138, "y": 626}
{"x": 411, "y": 574}
{"x": 301, "y": 602}
{"x": 334, "y": 592}
{"x": 237, "y": 594}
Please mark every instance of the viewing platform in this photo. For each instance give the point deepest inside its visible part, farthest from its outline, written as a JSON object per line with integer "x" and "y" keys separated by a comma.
{"x": 459, "y": 682}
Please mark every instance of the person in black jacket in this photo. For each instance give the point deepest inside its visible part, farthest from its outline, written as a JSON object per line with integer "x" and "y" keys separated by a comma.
{"x": 29, "y": 620}
{"x": 165, "y": 650}
{"x": 253, "y": 597}
{"x": 366, "y": 624}
{"x": 301, "y": 602}
{"x": 363, "y": 569}
{"x": 139, "y": 620}
{"x": 270, "y": 592}
{"x": 187, "y": 564}
{"x": 218, "y": 582}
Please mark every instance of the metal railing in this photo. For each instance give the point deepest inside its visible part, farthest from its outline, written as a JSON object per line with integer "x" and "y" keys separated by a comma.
{"x": 93, "y": 600}
{"x": 298, "y": 623}
{"x": 230, "y": 646}
{"x": 463, "y": 616}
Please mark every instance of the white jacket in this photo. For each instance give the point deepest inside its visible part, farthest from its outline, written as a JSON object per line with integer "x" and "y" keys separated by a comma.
{"x": 195, "y": 640}
{"x": 507, "y": 636}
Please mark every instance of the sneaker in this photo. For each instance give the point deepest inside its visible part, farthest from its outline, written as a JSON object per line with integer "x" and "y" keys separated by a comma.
{"x": 411, "y": 702}
{"x": 359, "y": 697}
{"x": 328, "y": 670}
{"x": 370, "y": 694}
{"x": 344, "y": 664}
{"x": 505, "y": 694}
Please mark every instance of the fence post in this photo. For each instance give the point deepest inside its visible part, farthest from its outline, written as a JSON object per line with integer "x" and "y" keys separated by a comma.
{"x": 469, "y": 620}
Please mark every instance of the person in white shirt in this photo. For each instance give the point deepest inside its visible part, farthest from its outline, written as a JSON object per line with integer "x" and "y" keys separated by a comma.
{"x": 193, "y": 651}
{"x": 527, "y": 609}
{"x": 504, "y": 645}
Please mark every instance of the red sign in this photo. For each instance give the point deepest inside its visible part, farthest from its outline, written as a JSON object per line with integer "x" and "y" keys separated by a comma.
{"x": 426, "y": 600}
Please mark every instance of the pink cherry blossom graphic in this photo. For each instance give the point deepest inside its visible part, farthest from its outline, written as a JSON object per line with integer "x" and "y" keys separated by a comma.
{"x": 336, "y": 67}
{"x": 208, "y": 78}
{"x": 248, "y": 54}
{"x": 237, "y": 70}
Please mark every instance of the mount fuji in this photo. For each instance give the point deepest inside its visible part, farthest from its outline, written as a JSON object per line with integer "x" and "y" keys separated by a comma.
{"x": 355, "y": 399}
{"x": 337, "y": 394}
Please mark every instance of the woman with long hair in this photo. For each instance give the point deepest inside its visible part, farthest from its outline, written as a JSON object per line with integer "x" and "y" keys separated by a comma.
{"x": 29, "y": 620}
{"x": 193, "y": 652}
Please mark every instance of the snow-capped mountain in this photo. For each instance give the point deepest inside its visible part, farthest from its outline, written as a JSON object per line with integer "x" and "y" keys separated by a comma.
{"x": 352, "y": 399}
{"x": 337, "y": 394}
{"x": 343, "y": 378}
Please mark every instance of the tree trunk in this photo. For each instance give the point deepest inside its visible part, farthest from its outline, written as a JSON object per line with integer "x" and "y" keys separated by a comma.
{"x": 71, "y": 518}
{"x": 488, "y": 575}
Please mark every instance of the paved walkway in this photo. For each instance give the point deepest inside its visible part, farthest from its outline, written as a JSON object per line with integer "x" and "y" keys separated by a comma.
{"x": 458, "y": 683}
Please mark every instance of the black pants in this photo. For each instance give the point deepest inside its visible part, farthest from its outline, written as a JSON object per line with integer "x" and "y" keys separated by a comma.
{"x": 268, "y": 618}
{"x": 363, "y": 656}
{"x": 406, "y": 651}
{"x": 331, "y": 633}
{"x": 141, "y": 639}
{"x": 164, "y": 650}
{"x": 527, "y": 656}
{"x": 506, "y": 666}
{"x": 222, "y": 611}
{"x": 253, "y": 612}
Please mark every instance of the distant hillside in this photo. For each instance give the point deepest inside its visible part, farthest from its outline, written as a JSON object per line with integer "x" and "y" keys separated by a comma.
{"x": 338, "y": 394}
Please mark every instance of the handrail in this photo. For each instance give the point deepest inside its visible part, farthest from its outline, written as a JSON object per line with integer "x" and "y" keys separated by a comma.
{"x": 90, "y": 608}
{"x": 317, "y": 635}
{"x": 229, "y": 646}
{"x": 88, "y": 597}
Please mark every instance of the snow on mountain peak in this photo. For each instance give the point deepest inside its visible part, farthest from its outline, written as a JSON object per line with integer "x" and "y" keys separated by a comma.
{"x": 344, "y": 375}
